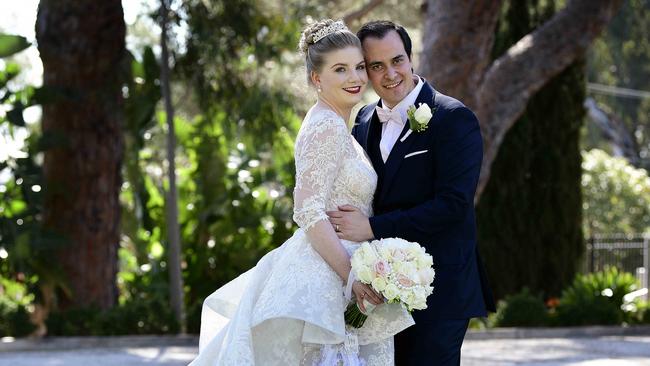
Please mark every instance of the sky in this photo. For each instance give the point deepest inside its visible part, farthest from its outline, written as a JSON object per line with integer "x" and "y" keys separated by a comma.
{"x": 19, "y": 18}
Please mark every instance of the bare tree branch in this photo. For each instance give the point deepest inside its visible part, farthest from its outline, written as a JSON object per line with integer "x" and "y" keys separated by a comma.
{"x": 359, "y": 13}
{"x": 614, "y": 131}
{"x": 457, "y": 41}
{"x": 524, "y": 69}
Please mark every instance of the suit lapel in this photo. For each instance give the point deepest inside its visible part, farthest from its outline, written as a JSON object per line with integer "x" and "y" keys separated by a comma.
{"x": 401, "y": 148}
{"x": 371, "y": 141}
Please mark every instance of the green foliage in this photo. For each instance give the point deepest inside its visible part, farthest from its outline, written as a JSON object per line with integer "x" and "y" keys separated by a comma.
{"x": 521, "y": 310}
{"x": 637, "y": 312}
{"x": 616, "y": 195}
{"x": 11, "y": 44}
{"x": 596, "y": 298}
{"x": 14, "y": 301}
{"x": 234, "y": 129}
{"x": 643, "y": 313}
{"x": 15, "y": 319}
{"x": 141, "y": 316}
{"x": 529, "y": 216}
{"x": 620, "y": 57}
{"x": 28, "y": 245}
{"x": 236, "y": 182}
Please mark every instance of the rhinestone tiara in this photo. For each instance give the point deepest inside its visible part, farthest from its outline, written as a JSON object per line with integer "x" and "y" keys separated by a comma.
{"x": 326, "y": 31}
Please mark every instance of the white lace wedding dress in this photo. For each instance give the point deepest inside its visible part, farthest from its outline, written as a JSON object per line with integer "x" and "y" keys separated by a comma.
{"x": 288, "y": 309}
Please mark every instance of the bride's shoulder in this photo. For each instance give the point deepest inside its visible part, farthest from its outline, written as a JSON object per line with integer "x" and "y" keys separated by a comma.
{"x": 322, "y": 119}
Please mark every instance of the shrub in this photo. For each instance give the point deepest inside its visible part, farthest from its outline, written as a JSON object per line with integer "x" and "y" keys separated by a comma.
{"x": 596, "y": 298}
{"x": 14, "y": 317}
{"x": 645, "y": 317}
{"x": 616, "y": 195}
{"x": 641, "y": 315}
{"x": 138, "y": 316}
{"x": 521, "y": 310}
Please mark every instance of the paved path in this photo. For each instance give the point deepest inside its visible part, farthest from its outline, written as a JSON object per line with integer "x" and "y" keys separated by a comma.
{"x": 596, "y": 351}
{"x": 141, "y": 356}
{"x": 584, "y": 351}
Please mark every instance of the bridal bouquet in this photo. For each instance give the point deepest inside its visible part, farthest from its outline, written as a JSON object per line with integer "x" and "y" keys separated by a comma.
{"x": 399, "y": 270}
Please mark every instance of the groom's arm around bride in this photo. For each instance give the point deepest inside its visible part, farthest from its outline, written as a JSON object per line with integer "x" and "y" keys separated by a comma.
{"x": 425, "y": 193}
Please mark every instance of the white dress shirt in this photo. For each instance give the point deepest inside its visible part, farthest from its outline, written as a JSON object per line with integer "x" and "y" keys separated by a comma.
{"x": 391, "y": 130}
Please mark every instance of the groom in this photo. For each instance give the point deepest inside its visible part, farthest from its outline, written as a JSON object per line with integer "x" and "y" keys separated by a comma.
{"x": 425, "y": 193}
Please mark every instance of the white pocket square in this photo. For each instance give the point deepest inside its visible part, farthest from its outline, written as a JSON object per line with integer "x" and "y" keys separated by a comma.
{"x": 415, "y": 153}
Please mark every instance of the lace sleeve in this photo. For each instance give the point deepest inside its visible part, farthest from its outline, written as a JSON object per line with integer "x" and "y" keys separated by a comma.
{"x": 319, "y": 155}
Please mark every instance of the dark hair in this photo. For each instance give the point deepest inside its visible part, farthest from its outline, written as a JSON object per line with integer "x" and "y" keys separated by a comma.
{"x": 379, "y": 29}
{"x": 315, "y": 51}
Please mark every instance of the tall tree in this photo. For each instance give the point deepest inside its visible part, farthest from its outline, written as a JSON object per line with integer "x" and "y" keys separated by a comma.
{"x": 173, "y": 230}
{"x": 458, "y": 38}
{"x": 82, "y": 46}
{"x": 529, "y": 214}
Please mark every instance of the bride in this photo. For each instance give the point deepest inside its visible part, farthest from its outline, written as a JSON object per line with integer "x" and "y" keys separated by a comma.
{"x": 288, "y": 309}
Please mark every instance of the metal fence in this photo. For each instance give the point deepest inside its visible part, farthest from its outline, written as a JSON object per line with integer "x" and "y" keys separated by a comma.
{"x": 630, "y": 253}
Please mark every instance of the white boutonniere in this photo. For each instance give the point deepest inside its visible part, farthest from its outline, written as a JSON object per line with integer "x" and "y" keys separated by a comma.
{"x": 419, "y": 118}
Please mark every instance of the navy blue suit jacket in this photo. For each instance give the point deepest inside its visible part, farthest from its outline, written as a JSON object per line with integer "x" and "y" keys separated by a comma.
{"x": 429, "y": 198}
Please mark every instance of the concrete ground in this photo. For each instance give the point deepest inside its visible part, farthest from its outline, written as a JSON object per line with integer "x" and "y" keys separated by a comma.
{"x": 585, "y": 348}
{"x": 597, "y": 351}
{"x": 167, "y": 356}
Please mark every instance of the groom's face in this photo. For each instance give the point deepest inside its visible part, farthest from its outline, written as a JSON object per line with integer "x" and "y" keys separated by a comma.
{"x": 389, "y": 68}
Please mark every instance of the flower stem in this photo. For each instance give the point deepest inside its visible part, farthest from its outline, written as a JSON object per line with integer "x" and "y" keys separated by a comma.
{"x": 354, "y": 317}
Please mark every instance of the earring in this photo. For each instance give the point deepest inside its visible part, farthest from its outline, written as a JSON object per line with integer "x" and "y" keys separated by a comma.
{"x": 319, "y": 90}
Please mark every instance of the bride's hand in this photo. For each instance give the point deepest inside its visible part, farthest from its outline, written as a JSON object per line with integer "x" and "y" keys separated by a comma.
{"x": 365, "y": 292}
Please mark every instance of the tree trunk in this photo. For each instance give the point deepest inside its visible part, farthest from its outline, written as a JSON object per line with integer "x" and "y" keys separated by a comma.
{"x": 458, "y": 37}
{"x": 173, "y": 230}
{"x": 81, "y": 43}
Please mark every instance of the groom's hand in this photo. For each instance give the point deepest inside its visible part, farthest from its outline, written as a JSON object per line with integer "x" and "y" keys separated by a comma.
{"x": 351, "y": 224}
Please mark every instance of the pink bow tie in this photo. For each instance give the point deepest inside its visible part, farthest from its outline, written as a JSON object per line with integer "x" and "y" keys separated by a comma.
{"x": 387, "y": 116}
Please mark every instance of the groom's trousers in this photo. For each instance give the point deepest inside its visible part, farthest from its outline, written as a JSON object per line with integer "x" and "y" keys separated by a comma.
{"x": 431, "y": 343}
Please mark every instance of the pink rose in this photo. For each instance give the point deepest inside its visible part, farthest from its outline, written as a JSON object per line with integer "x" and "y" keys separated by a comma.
{"x": 404, "y": 281}
{"x": 381, "y": 268}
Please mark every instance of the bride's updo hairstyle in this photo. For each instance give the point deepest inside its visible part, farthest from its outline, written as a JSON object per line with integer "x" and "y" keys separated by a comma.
{"x": 321, "y": 37}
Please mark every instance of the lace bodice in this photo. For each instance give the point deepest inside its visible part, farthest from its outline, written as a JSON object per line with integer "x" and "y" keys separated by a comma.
{"x": 331, "y": 169}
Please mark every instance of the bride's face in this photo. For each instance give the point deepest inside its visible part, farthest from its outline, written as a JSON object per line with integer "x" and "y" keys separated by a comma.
{"x": 343, "y": 77}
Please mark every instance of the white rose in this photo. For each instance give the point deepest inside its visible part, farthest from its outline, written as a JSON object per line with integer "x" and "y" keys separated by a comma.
{"x": 379, "y": 284}
{"x": 364, "y": 274}
{"x": 408, "y": 297}
{"x": 413, "y": 252}
{"x": 423, "y": 114}
{"x": 426, "y": 276}
{"x": 424, "y": 261}
{"x": 399, "y": 267}
{"x": 391, "y": 291}
{"x": 410, "y": 270}
{"x": 419, "y": 305}
{"x": 369, "y": 256}
{"x": 399, "y": 255}
{"x": 419, "y": 294}
{"x": 428, "y": 290}
{"x": 385, "y": 252}
{"x": 356, "y": 261}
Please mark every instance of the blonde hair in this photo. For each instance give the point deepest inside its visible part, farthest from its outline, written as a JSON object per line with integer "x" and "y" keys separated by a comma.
{"x": 314, "y": 49}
